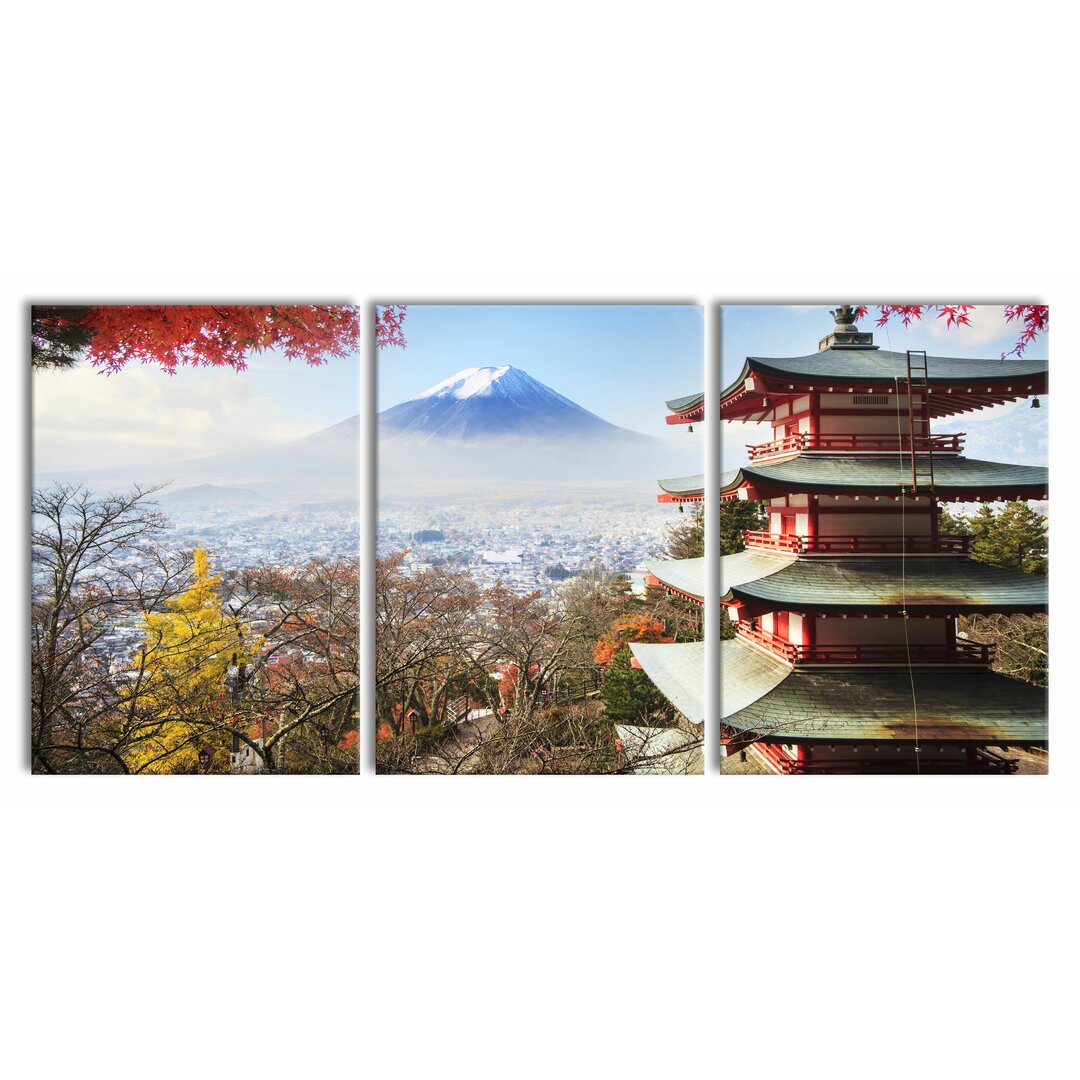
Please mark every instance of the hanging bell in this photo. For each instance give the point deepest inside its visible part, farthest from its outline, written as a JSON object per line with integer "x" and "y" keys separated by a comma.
{"x": 1035, "y": 403}
{"x": 690, "y": 429}
{"x": 681, "y": 510}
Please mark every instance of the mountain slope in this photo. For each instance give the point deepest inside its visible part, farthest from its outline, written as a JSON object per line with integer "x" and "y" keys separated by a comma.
{"x": 493, "y": 402}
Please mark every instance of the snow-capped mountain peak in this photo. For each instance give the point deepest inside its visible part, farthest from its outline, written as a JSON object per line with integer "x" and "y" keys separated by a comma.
{"x": 488, "y": 402}
{"x": 472, "y": 382}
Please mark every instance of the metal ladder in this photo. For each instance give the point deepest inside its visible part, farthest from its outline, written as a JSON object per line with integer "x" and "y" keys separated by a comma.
{"x": 922, "y": 471}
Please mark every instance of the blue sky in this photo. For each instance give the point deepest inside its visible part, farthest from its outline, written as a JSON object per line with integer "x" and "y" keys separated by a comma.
{"x": 86, "y": 419}
{"x": 621, "y": 362}
{"x": 1013, "y": 433}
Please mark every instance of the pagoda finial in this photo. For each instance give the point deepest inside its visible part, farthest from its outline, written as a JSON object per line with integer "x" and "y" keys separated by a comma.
{"x": 846, "y": 335}
{"x": 845, "y": 317}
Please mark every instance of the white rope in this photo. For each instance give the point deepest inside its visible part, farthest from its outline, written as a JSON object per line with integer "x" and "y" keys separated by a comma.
{"x": 903, "y": 543}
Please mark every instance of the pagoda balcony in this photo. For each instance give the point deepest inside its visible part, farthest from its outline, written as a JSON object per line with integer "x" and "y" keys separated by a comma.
{"x": 970, "y": 653}
{"x": 980, "y": 759}
{"x": 856, "y": 443}
{"x": 857, "y": 545}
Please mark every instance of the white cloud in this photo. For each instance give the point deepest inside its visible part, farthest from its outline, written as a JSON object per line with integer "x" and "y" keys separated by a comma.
{"x": 983, "y": 416}
{"x": 89, "y": 420}
{"x": 987, "y": 323}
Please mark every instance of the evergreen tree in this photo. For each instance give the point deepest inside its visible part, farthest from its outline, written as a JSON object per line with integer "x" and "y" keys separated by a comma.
{"x": 629, "y": 694}
{"x": 1013, "y": 537}
{"x": 686, "y": 538}
{"x": 58, "y": 335}
{"x": 735, "y": 516}
{"x": 952, "y": 524}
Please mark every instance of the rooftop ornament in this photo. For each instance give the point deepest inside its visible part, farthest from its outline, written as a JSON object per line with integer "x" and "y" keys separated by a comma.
{"x": 846, "y": 335}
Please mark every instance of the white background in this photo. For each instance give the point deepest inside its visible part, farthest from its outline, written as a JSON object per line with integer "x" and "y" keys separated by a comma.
{"x": 506, "y": 927}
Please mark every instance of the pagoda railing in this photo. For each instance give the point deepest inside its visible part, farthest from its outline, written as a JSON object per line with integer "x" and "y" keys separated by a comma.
{"x": 857, "y": 545}
{"x": 980, "y": 759}
{"x": 961, "y": 652}
{"x": 861, "y": 442}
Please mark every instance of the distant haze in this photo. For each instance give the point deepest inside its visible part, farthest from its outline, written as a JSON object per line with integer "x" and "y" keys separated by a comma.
{"x": 323, "y": 465}
{"x": 486, "y": 431}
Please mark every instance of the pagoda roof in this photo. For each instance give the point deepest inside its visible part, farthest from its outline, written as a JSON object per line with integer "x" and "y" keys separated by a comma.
{"x": 862, "y": 364}
{"x": 684, "y": 576}
{"x": 678, "y": 670}
{"x": 663, "y": 751}
{"x": 955, "y": 477}
{"x": 682, "y": 488}
{"x": 852, "y": 583}
{"x": 857, "y": 704}
{"x": 746, "y": 675}
{"x": 746, "y": 566}
{"x": 683, "y": 404}
{"x": 975, "y": 383}
{"x": 686, "y": 410}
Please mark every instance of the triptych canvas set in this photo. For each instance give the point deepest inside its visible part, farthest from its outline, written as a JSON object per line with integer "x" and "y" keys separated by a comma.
{"x": 818, "y": 549}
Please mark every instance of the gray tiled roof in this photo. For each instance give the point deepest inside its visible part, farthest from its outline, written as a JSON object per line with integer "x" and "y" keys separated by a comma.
{"x": 684, "y": 485}
{"x": 920, "y": 585}
{"x": 746, "y": 674}
{"x": 681, "y": 403}
{"x": 666, "y": 751}
{"x": 678, "y": 670}
{"x": 847, "y": 366}
{"x": 843, "y": 704}
{"x": 885, "y": 473}
{"x": 745, "y": 566}
{"x": 684, "y": 575}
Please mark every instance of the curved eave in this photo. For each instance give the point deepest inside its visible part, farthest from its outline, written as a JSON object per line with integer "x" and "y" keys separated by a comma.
{"x": 746, "y": 675}
{"x": 845, "y": 585}
{"x": 682, "y": 577}
{"x": 678, "y": 672}
{"x": 956, "y": 385}
{"x": 682, "y": 489}
{"x": 686, "y": 410}
{"x": 661, "y": 751}
{"x": 872, "y": 705}
{"x": 748, "y": 566}
{"x": 955, "y": 478}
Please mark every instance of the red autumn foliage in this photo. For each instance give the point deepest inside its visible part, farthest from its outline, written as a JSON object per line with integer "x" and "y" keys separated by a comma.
{"x": 389, "y": 327}
{"x": 627, "y": 628}
{"x": 1035, "y": 318}
{"x": 217, "y": 335}
{"x": 508, "y": 683}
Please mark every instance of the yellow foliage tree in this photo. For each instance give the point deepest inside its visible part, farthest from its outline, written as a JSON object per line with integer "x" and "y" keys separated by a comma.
{"x": 190, "y": 658}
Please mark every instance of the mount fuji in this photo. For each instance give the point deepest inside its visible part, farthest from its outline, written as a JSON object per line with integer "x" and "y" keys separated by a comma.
{"x": 495, "y": 402}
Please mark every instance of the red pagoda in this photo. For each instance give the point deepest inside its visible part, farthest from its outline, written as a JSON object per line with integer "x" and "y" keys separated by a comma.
{"x": 678, "y": 668}
{"x": 846, "y": 656}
